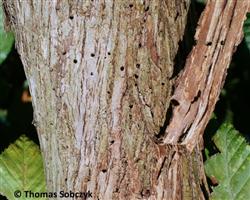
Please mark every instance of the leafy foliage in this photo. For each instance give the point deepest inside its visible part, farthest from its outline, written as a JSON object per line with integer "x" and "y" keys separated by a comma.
{"x": 21, "y": 168}
{"x": 6, "y": 39}
{"x": 231, "y": 167}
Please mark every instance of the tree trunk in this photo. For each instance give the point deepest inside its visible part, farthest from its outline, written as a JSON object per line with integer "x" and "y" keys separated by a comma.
{"x": 100, "y": 78}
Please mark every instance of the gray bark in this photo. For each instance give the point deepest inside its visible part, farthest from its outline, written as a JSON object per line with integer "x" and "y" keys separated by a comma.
{"x": 100, "y": 79}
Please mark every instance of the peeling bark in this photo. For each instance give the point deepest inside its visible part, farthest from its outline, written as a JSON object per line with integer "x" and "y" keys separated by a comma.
{"x": 100, "y": 78}
{"x": 198, "y": 87}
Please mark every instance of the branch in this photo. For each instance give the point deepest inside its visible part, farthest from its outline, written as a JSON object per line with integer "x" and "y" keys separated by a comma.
{"x": 198, "y": 87}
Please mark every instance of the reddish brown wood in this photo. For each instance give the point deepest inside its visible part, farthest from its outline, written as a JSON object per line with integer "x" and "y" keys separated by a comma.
{"x": 198, "y": 87}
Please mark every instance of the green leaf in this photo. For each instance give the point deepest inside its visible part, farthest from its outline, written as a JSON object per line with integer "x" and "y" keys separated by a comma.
{"x": 21, "y": 168}
{"x": 6, "y": 39}
{"x": 231, "y": 167}
{"x": 246, "y": 29}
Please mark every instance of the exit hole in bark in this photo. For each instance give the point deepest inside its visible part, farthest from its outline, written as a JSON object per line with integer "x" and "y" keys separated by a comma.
{"x": 91, "y": 73}
{"x": 138, "y": 65}
{"x": 131, "y": 106}
{"x": 121, "y": 68}
{"x": 175, "y": 102}
{"x": 176, "y": 16}
{"x": 147, "y": 8}
{"x": 222, "y": 42}
{"x": 209, "y": 43}
{"x": 71, "y": 17}
{"x": 112, "y": 142}
{"x": 162, "y": 84}
{"x": 92, "y": 55}
{"x": 64, "y": 53}
{"x": 139, "y": 45}
{"x": 109, "y": 53}
{"x": 131, "y": 5}
{"x": 104, "y": 170}
{"x": 196, "y": 97}
{"x": 75, "y": 61}
{"x": 136, "y": 76}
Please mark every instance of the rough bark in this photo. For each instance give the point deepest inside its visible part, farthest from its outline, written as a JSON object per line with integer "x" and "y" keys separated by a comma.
{"x": 219, "y": 32}
{"x": 100, "y": 78}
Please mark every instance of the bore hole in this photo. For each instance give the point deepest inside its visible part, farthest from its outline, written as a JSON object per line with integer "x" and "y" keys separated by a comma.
{"x": 162, "y": 83}
{"x": 222, "y": 42}
{"x": 131, "y": 106}
{"x": 109, "y": 53}
{"x": 71, "y": 17}
{"x": 147, "y": 8}
{"x": 138, "y": 65}
{"x": 75, "y": 61}
{"x": 121, "y": 68}
{"x": 136, "y": 76}
{"x": 196, "y": 97}
{"x": 104, "y": 170}
{"x": 135, "y": 84}
{"x": 175, "y": 102}
{"x": 139, "y": 45}
{"x": 131, "y": 5}
{"x": 65, "y": 179}
{"x": 92, "y": 55}
{"x": 64, "y": 53}
{"x": 91, "y": 73}
{"x": 209, "y": 43}
{"x": 112, "y": 142}
{"x": 176, "y": 16}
